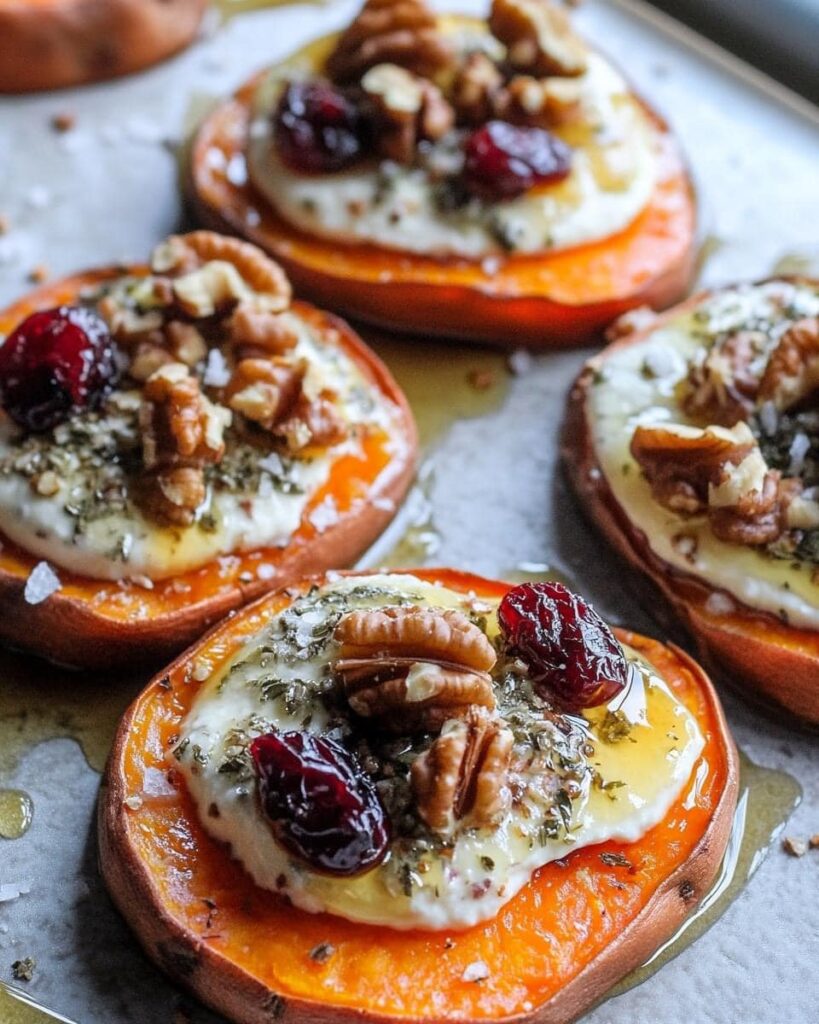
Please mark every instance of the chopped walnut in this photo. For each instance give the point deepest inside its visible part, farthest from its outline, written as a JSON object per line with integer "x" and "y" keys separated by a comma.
{"x": 403, "y": 32}
{"x": 718, "y": 471}
{"x": 413, "y": 667}
{"x": 540, "y": 102}
{"x": 265, "y": 390}
{"x": 313, "y": 422}
{"x": 464, "y": 775}
{"x": 792, "y": 373}
{"x": 181, "y": 431}
{"x": 256, "y": 329}
{"x": 475, "y": 89}
{"x": 409, "y": 109}
{"x": 539, "y": 37}
{"x": 179, "y": 342}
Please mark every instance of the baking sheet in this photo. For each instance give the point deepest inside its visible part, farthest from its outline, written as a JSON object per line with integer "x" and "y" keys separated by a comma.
{"x": 493, "y": 496}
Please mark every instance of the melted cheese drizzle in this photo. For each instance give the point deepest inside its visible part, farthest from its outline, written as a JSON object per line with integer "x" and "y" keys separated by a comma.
{"x": 613, "y": 175}
{"x": 488, "y": 866}
{"x": 127, "y": 544}
{"x": 626, "y": 395}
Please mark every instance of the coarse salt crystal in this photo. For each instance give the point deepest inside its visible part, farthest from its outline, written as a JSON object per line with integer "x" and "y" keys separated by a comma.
{"x": 520, "y": 362}
{"x": 41, "y": 583}
{"x": 385, "y": 504}
{"x": 217, "y": 372}
{"x": 133, "y": 803}
{"x": 265, "y": 571}
{"x": 800, "y": 446}
{"x": 38, "y": 197}
{"x": 719, "y": 604}
{"x": 325, "y": 514}
{"x": 768, "y": 418}
{"x": 476, "y": 971}
{"x": 272, "y": 463}
{"x": 202, "y": 668}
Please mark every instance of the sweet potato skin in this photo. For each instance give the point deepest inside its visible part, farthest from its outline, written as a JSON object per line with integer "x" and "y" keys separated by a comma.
{"x": 53, "y": 44}
{"x": 760, "y": 656}
{"x": 547, "y": 301}
{"x": 234, "y": 988}
{"x": 97, "y": 624}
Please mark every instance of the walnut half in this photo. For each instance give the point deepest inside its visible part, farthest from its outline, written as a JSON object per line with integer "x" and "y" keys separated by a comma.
{"x": 539, "y": 37}
{"x": 464, "y": 775}
{"x": 409, "y": 109}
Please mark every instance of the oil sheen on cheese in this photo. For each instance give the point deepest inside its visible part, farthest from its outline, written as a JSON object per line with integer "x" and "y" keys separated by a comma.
{"x": 636, "y": 385}
{"x": 614, "y": 171}
{"x": 628, "y": 785}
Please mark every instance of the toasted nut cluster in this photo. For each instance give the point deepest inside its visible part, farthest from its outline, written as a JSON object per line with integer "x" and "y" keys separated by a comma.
{"x": 181, "y": 432}
{"x": 413, "y": 667}
{"x": 539, "y": 37}
{"x": 721, "y": 388}
{"x": 409, "y": 109}
{"x": 792, "y": 372}
{"x": 463, "y": 776}
{"x": 403, "y": 32}
{"x": 718, "y": 471}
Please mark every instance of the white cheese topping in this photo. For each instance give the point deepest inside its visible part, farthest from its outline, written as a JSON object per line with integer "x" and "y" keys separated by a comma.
{"x": 614, "y": 170}
{"x": 627, "y": 783}
{"x": 637, "y": 385}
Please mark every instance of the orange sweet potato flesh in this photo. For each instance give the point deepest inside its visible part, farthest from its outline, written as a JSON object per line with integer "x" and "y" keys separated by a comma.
{"x": 97, "y": 623}
{"x": 764, "y": 658}
{"x": 556, "y": 947}
{"x": 543, "y": 301}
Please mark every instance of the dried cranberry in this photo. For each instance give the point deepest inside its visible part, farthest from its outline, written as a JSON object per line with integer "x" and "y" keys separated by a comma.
{"x": 502, "y": 161}
{"x": 318, "y": 128}
{"x": 54, "y": 363}
{"x": 570, "y": 652}
{"x": 321, "y": 806}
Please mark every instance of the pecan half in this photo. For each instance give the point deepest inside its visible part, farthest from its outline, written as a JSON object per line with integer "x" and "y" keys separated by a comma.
{"x": 538, "y": 36}
{"x": 792, "y": 373}
{"x": 463, "y": 777}
{"x": 403, "y": 32}
{"x": 718, "y": 471}
{"x": 181, "y": 431}
{"x": 409, "y": 109}
{"x": 413, "y": 667}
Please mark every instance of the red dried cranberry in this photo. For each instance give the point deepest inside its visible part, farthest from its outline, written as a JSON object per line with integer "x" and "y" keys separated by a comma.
{"x": 504, "y": 160}
{"x": 54, "y": 363}
{"x": 321, "y": 806}
{"x": 570, "y": 652}
{"x": 318, "y": 129}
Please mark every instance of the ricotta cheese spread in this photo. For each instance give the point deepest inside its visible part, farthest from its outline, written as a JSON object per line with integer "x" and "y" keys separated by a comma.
{"x": 610, "y": 773}
{"x": 639, "y": 385}
{"x": 614, "y": 171}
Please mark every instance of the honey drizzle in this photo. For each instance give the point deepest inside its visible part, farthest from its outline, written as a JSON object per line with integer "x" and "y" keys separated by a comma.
{"x": 16, "y": 813}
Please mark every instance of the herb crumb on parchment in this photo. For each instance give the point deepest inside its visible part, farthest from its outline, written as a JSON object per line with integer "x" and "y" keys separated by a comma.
{"x": 23, "y": 970}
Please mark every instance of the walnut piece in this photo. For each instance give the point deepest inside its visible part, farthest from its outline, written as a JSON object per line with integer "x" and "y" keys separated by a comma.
{"x": 182, "y": 431}
{"x": 260, "y": 330}
{"x": 538, "y": 36}
{"x": 403, "y": 32}
{"x": 539, "y": 102}
{"x": 178, "y": 342}
{"x": 463, "y": 776}
{"x": 414, "y": 668}
{"x": 721, "y": 388}
{"x": 718, "y": 471}
{"x": 475, "y": 89}
{"x": 792, "y": 372}
{"x": 185, "y": 256}
{"x": 409, "y": 109}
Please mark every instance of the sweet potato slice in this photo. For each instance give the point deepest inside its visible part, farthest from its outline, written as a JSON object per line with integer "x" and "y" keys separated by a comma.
{"x": 52, "y": 44}
{"x": 98, "y": 623}
{"x": 544, "y": 301}
{"x": 569, "y": 934}
{"x": 760, "y": 655}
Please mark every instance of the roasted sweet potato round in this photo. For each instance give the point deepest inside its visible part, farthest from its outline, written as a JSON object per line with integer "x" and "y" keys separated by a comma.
{"x": 97, "y": 623}
{"x": 763, "y": 657}
{"x": 569, "y": 934}
{"x": 541, "y": 300}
